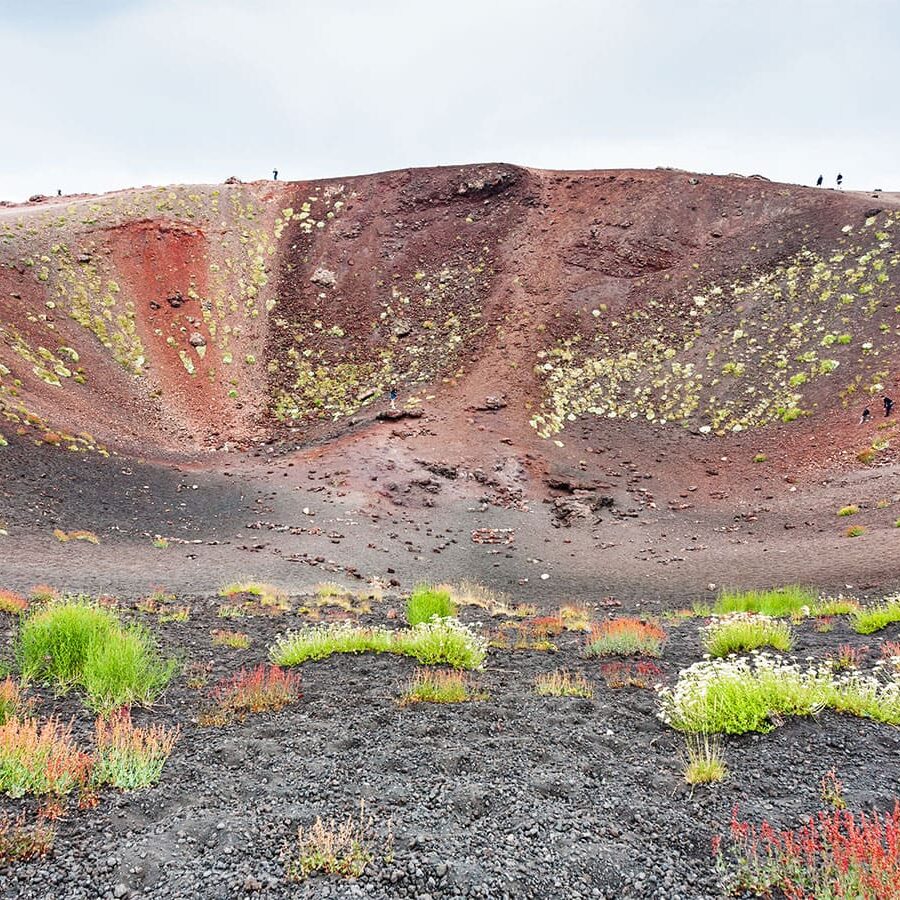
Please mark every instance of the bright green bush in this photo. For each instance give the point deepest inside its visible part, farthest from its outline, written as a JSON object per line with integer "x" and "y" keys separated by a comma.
{"x": 441, "y": 641}
{"x": 737, "y": 695}
{"x": 745, "y": 631}
{"x": 774, "y": 602}
{"x": 73, "y": 643}
{"x": 427, "y": 602}
{"x": 55, "y": 641}
{"x": 869, "y": 619}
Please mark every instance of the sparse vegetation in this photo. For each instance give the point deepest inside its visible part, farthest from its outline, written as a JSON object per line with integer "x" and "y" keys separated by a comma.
{"x": 20, "y": 842}
{"x": 869, "y": 619}
{"x": 129, "y": 757}
{"x": 253, "y": 597}
{"x": 236, "y": 640}
{"x": 43, "y": 593}
{"x": 702, "y": 761}
{"x": 740, "y": 632}
{"x": 775, "y": 602}
{"x": 332, "y": 847}
{"x": 850, "y": 510}
{"x": 75, "y": 643}
{"x": 12, "y": 704}
{"x": 427, "y": 602}
{"x": 65, "y": 536}
{"x": 445, "y": 641}
{"x": 495, "y": 603}
{"x": 855, "y": 531}
{"x": 835, "y": 606}
{"x": 40, "y": 759}
{"x": 533, "y": 634}
{"x": 622, "y": 674}
{"x": 562, "y": 683}
{"x": 440, "y": 686}
{"x": 263, "y": 689}
{"x": 625, "y": 637}
{"x": 576, "y": 617}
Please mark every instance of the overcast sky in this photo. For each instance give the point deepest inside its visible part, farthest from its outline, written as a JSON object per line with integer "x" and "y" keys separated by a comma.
{"x": 99, "y": 95}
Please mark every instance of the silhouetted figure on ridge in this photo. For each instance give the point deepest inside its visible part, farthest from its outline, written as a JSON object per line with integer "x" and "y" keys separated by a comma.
{"x": 888, "y": 406}
{"x": 840, "y": 180}
{"x": 819, "y": 181}
{"x": 274, "y": 174}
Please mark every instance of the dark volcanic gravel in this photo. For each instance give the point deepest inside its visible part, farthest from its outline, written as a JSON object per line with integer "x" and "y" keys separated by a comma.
{"x": 515, "y": 796}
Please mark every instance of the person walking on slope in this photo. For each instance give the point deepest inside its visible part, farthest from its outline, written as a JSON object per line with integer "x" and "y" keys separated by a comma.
{"x": 867, "y": 414}
{"x": 393, "y": 397}
{"x": 888, "y": 406}
{"x": 819, "y": 181}
{"x": 840, "y": 180}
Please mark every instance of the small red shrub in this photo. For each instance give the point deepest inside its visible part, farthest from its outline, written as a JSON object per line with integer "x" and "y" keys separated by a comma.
{"x": 12, "y": 603}
{"x": 837, "y": 853}
{"x": 629, "y": 674}
{"x": 20, "y": 842}
{"x": 625, "y": 636}
{"x": 263, "y": 689}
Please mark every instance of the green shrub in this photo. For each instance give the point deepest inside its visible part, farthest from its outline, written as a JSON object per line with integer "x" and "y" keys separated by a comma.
{"x": 737, "y": 695}
{"x": 774, "y": 602}
{"x": 850, "y": 510}
{"x": 125, "y": 670}
{"x": 427, "y": 602}
{"x": 54, "y": 642}
{"x": 745, "y": 631}
{"x": 75, "y": 644}
{"x": 441, "y": 641}
{"x": 869, "y": 619}
{"x": 835, "y": 606}
{"x": 855, "y": 531}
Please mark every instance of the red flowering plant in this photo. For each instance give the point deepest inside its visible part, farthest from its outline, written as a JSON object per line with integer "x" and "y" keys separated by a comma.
{"x": 835, "y": 855}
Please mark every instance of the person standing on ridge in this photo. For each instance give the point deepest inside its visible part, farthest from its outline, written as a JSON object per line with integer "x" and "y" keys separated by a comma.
{"x": 888, "y": 406}
{"x": 840, "y": 180}
{"x": 819, "y": 181}
{"x": 274, "y": 174}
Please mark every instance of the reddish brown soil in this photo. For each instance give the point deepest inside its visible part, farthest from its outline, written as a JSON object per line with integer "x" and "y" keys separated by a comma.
{"x": 532, "y": 253}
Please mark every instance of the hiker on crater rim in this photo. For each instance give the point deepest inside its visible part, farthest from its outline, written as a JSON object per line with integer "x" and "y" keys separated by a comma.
{"x": 274, "y": 174}
{"x": 888, "y": 405}
{"x": 840, "y": 180}
{"x": 819, "y": 181}
{"x": 393, "y": 396}
{"x": 867, "y": 414}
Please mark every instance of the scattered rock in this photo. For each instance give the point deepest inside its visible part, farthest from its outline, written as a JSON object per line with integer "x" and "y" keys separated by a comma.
{"x": 324, "y": 277}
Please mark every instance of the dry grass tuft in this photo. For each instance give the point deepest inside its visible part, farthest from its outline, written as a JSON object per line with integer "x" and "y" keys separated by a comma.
{"x": 561, "y": 683}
